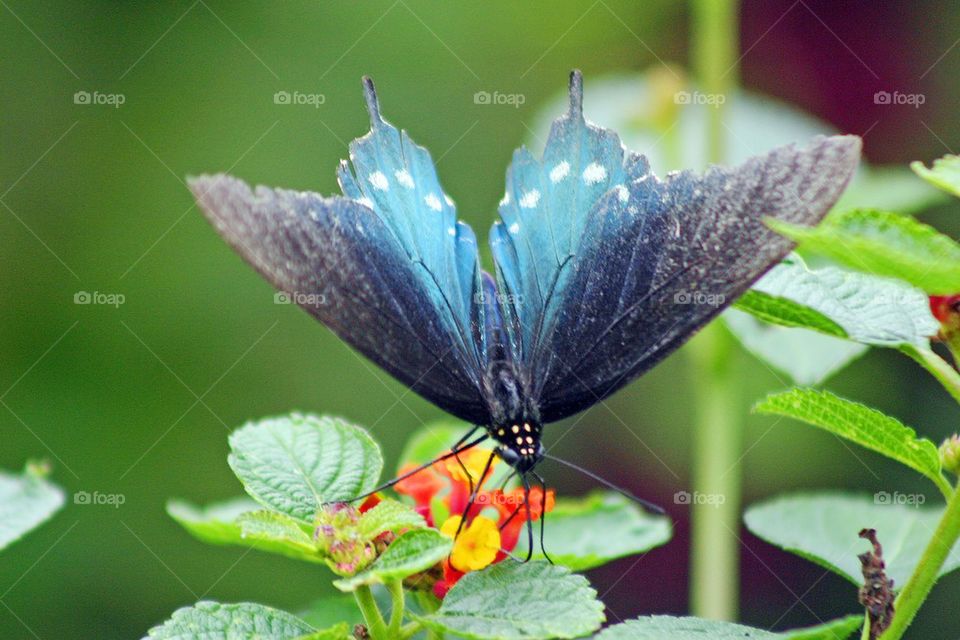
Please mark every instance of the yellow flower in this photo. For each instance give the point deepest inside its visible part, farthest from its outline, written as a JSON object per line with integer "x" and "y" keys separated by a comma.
{"x": 477, "y": 545}
{"x": 474, "y": 460}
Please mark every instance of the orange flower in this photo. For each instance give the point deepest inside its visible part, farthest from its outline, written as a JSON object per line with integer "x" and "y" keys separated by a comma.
{"x": 422, "y": 486}
{"x": 477, "y": 545}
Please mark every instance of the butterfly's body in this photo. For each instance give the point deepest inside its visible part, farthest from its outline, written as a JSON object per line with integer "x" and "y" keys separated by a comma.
{"x": 602, "y": 268}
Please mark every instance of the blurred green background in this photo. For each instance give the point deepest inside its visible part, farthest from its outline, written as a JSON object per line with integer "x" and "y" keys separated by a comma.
{"x": 138, "y": 399}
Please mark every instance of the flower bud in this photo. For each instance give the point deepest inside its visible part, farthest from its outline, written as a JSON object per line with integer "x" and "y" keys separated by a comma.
{"x": 336, "y": 535}
{"x": 950, "y": 454}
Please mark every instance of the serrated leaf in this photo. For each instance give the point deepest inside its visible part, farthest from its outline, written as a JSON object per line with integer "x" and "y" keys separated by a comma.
{"x": 411, "y": 553}
{"x": 512, "y": 601}
{"x": 787, "y": 313}
{"x": 883, "y": 244}
{"x": 218, "y": 524}
{"x": 388, "y": 515}
{"x": 339, "y": 631}
{"x": 584, "y": 533}
{"x": 823, "y": 528}
{"x": 860, "y": 424}
{"x": 295, "y": 463}
{"x": 944, "y": 174}
{"x": 806, "y": 356}
{"x": 244, "y": 621}
{"x": 282, "y": 532}
{"x": 871, "y": 310}
{"x": 26, "y": 501}
{"x": 661, "y": 627}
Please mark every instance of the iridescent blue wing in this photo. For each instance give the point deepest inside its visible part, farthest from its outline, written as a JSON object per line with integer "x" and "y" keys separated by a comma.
{"x": 636, "y": 271}
{"x": 386, "y": 266}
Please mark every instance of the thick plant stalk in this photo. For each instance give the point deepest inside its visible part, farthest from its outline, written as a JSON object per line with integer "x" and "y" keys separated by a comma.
{"x": 917, "y": 588}
{"x": 371, "y": 613}
{"x": 718, "y": 434}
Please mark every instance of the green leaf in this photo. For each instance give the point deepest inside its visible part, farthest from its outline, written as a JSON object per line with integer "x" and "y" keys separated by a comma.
{"x": 871, "y": 310}
{"x": 860, "y": 424}
{"x": 26, "y": 501}
{"x": 339, "y": 631}
{"x": 432, "y": 440}
{"x": 214, "y": 621}
{"x": 295, "y": 463}
{"x": 584, "y": 533}
{"x": 787, "y": 313}
{"x": 944, "y": 174}
{"x": 806, "y": 356}
{"x": 823, "y": 528}
{"x": 661, "y": 627}
{"x": 389, "y": 515}
{"x": 220, "y": 524}
{"x": 411, "y": 553}
{"x": 279, "y": 533}
{"x": 883, "y": 244}
{"x": 511, "y": 600}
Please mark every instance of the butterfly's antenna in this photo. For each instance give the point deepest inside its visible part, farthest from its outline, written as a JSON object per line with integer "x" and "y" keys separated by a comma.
{"x": 576, "y": 93}
{"x": 457, "y": 448}
{"x": 649, "y": 506}
{"x": 543, "y": 514}
{"x": 373, "y": 105}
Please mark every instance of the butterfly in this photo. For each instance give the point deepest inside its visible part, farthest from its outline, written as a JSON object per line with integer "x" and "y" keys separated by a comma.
{"x": 602, "y": 268}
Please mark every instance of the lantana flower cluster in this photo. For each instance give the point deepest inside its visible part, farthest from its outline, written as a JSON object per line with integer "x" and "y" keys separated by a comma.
{"x": 494, "y": 522}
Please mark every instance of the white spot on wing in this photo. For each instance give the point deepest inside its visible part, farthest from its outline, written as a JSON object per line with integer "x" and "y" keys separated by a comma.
{"x": 366, "y": 202}
{"x": 594, "y": 173}
{"x": 514, "y": 227}
{"x": 433, "y": 202}
{"x": 379, "y": 181}
{"x": 559, "y": 172}
{"x": 530, "y": 199}
{"x": 404, "y": 178}
{"x": 622, "y": 193}
{"x": 451, "y": 231}
{"x": 448, "y": 200}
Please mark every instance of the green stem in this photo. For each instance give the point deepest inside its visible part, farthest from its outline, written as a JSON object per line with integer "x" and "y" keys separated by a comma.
{"x": 719, "y": 430}
{"x": 409, "y": 630}
{"x": 371, "y": 613}
{"x": 917, "y": 588}
{"x": 937, "y": 366}
{"x": 395, "y": 587}
{"x": 865, "y": 632}
{"x": 715, "y": 574}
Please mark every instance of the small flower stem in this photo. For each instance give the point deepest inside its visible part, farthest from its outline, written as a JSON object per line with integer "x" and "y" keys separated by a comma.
{"x": 395, "y": 587}
{"x": 918, "y": 587}
{"x": 939, "y": 368}
{"x": 371, "y": 613}
{"x": 865, "y": 633}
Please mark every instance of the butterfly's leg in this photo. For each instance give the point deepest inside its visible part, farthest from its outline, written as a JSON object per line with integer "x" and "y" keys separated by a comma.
{"x": 459, "y": 461}
{"x": 543, "y": 514}
{"x": 507, "y": 479}
{"x": 450, "y": 454}
{"x": 526, "y": 502}
{"x": 474, "y": 492}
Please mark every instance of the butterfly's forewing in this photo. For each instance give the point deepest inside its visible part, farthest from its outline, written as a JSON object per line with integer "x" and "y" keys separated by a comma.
{"x": 660, "y": 258}
{"x": 387, "y": 266}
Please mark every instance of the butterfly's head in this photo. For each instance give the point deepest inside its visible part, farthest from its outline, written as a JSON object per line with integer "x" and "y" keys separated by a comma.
{"x": 519, "y": 444}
